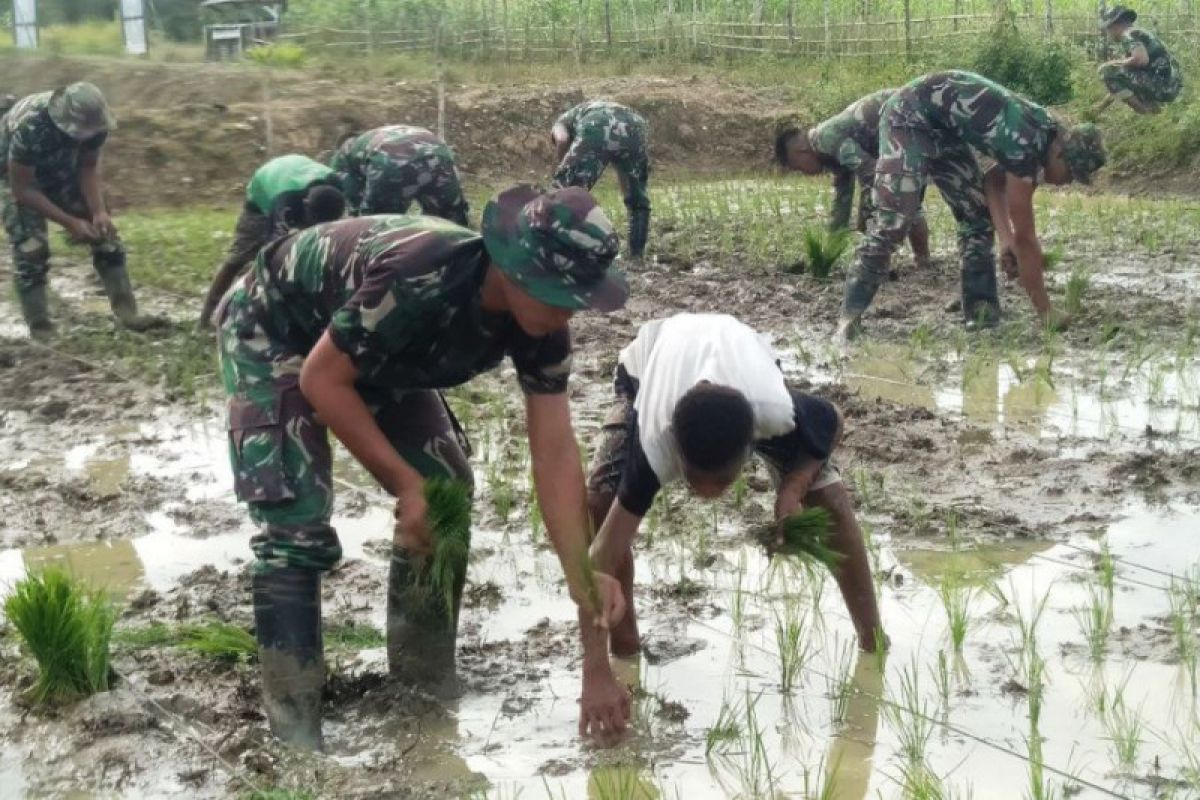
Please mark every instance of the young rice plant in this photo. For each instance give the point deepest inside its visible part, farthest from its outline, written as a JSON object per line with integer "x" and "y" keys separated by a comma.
{"x": 449, "y": 516}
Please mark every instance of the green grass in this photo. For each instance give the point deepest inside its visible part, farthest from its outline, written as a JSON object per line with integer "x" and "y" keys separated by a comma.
{"x": 353, "y": 636}
{"x": 956, "y": 601}
{"x": 177, "y": 249}
{"x": 726, "y": 731}
{"x": 823, "y": 249}
{"x": 66, "y": 626}
{"x": 1078, "y": 283}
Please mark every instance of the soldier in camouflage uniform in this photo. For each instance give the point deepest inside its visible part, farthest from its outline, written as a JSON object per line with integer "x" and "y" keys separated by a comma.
{"x": 385, "y": 170}
{"x": 927, "y": 132}
{"x": 1148, "y": 76}
{"x": 354, "y": 326}
{"x": 847, "y": 145}
{"x": 287, "y": 192}
{"x": 51, "y": 142}
{"x": 593, "y": 135}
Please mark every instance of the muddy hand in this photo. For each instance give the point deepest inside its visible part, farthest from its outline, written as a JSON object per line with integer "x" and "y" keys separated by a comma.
{"x": 412, "y": 528}
{"x": 604, "y": 707}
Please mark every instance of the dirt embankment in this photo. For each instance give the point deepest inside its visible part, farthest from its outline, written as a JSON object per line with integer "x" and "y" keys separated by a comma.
{"x": 197, "y": 131}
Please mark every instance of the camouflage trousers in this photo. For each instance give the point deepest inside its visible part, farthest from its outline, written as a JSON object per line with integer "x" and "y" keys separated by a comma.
{"x": 280, "y": 451}
{"x": 910, "y": 158}
{"x": 1143, "y": 84}
{"x": 29, "y": 237}
{"x": 597, "y": 146}
{"x": 429, "y": 179}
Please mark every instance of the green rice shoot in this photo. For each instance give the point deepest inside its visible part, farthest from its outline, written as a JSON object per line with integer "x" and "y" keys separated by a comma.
{"x": 823, "y": 248}
{"x": 66, "y": 625}
{"x": 449, "y": 518}
{"x": 220, "y": 641}
{"x": 806, "y": 536}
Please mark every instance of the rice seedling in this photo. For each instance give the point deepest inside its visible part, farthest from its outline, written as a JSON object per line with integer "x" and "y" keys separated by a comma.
{"x": 755, "y": 771}
{"x": 351, "y": 635}
{"x": 956, "y": 601}
{"x": 919, "y": 782}
{"x": 806, "y": 535}
{"x": 793, "y": 646}
{"x": 740, "y": 488}
{"x": 952, "y": 530}
{"x": 66, "y": 626}
{"x": 1124, "y": 728}
{"x": 869, "y": 488}
{"x": 839, "y": 687}
{"x": 1035, "y": 683}
{"x": 501, "y": 491}
{"x": 1040, "y": 787}
{"x": 941, "y": 678}
{"x": 1184, "y": 610}
{"x": 1106, "y": 566}
{"x": 820, "y": 783}
{"x": 909, "y": 717}
{"x": 619, "y": 782}
{"x": 1095, "y": 622}
{"x": 726, "y": 731}
{"x": 823, "y": 248}
{"x": 1027, "y": 624}
{"x": 220, "y": 641}
{"x": 737, "y": 608}
{"x": 449, "y": 519}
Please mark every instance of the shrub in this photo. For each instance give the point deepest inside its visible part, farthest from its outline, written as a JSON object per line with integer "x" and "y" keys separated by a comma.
{"x": 282, "y": 54}
{"x": 1036, "y": 68}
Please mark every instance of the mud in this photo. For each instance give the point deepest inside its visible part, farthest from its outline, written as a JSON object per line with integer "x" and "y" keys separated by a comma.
{"x": 963, "y": 463}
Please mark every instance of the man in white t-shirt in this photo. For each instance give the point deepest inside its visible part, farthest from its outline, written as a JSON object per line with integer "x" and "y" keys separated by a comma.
{"x": 697, "y": 394}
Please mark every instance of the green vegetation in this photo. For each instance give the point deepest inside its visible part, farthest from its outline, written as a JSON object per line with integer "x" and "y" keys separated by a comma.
{"x": 1078, "y": 283}
{"x": 212, "y": 639}
{"x": 449, "y": 519}
{"x": 66, "y": 626}
{"x": 726, "y": 731}
{"x": 956, "y": 600}
{"x": 806, "y": 536}
{"x": 1038, "y": 69}
{"x": 352, "y": 635}
{"x": 823, "y": 248}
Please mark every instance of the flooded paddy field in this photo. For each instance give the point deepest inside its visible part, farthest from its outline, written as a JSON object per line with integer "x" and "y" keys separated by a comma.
{"x": 1030, "y": 499}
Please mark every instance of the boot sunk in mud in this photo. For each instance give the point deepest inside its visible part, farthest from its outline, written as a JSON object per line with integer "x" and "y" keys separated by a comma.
{"x": 357, "y": 326}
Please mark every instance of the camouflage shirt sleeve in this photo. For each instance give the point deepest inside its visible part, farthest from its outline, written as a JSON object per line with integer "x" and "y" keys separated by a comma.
{"x": 23, "y": 148}
{"x": 569, "y": 119}
{"x": 382, "y": 318}
{"x": 543, "y": 363}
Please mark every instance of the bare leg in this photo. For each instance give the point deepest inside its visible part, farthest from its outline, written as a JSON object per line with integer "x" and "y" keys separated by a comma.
{"x": 853, "y": 574}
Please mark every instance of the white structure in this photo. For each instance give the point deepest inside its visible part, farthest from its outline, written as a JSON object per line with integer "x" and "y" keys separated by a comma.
{"x": 25, "y": 30}
{"x": 133, "y": 25}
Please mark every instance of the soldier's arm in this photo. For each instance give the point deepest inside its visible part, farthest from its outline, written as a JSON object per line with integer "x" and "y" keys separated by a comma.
{"x": 843, "y": 199}
{"x": 1031, "y": 262}
{"x": 92, "y": 188}
{"x": 1138, "y": 57}
{"x": 23, "y": 181}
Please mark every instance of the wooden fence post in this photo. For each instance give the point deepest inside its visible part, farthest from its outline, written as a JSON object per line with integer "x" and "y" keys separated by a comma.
{"x": 1050, "y": 17}
{"x": 608, "y": 24}
{"x": 908, "y": 30}
{"x": 828, "y": 29}
{"x": 579, "y": 32}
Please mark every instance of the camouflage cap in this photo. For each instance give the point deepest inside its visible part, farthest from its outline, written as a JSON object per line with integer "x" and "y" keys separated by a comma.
{"x": 80, "y": 111}
{"x": 1083, "y": 150}
{"x": 557, "y": 246}
{"x": 1117, "y": 14}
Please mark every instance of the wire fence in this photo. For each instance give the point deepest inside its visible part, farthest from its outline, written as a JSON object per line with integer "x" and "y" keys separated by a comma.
{"x": 898, "y": 32}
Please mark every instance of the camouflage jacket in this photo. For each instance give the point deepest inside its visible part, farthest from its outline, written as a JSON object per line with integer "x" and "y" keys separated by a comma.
{"x": 400, "y": 295}
{"x": 28, "y": 136}
{"x": 385, "y": 169}
{"x": 605, "y": 123}
{"x": 963, "y": 106}
{"x": 1163, "y": 65}
{"x": 848, "y": 145}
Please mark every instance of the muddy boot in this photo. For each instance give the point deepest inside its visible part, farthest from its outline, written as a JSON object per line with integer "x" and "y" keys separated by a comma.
{"x": 120, "y": 296}
{"x": 639, "y": 231}
{"x": 420, "y": 633}
{"x": 35, "y": 310}
{"x": 287, "y": 620}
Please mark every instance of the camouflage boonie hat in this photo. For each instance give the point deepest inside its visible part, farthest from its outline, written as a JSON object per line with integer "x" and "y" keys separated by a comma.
{"x": 80, "y": 111}
{"x": 1117, "y": 14}
{"x": 557, "y": 246}
{"x": 1083, "y": 150}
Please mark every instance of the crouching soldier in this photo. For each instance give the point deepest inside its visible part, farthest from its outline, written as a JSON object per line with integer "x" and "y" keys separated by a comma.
{"x": 697, "y": 395}
{"x": 593, "y": 135}
{"x": 847, "y": 145}
{"x": 1148, "y": 76}
{"x": 353, "y": 327}
{"x": 386, "y": 170}
{"x": 287, "y": 192}
{"x": 51, "y": 142}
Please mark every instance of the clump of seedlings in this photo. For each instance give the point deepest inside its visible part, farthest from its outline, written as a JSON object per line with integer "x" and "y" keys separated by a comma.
{"x": 1095, "y": 621}
{"x": 806, "y": 535}
{"x": 1078, "y": 283}
{"x": 220, "y": 641}
{"x": 823, "y": 248}
{"x": 449, "y": 518}
{"x": 66, "y": 626}
{"x": 794, "y": 646}
{"x": 956, "y": 600}
{"x": 726, "y": 731}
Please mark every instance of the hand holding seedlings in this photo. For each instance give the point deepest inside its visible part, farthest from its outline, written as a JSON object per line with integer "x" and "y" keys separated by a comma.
{"x": 412, "y": 529}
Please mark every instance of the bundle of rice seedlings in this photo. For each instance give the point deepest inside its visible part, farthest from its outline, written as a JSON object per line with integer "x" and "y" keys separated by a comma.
{"x": 66, "y": 626}
{"x": 449, "y": 518}
{"x": 806, "y": 536}
{"x": 823, "y": 248}
{"x": 221, "y": 641}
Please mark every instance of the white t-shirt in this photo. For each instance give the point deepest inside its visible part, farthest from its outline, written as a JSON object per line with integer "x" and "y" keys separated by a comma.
{"x": 670, "y": 356}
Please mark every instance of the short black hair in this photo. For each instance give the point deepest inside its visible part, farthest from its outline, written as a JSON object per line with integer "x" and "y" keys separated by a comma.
{"x": 782, "y": 140}
{"x": 713, "y": 425}
{"x": 325, "y": 204}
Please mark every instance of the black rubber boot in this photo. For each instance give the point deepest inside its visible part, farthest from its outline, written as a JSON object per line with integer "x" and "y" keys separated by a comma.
{"x": 421, "y": 634}
{"x": 287, "y": 619}
{"x": 639, "y": 231}
{"x": 36, "y": 311}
